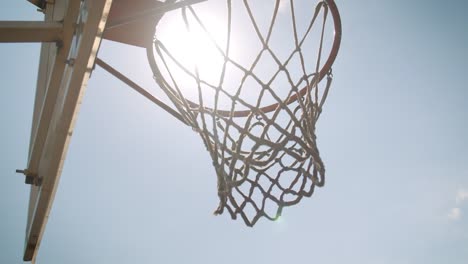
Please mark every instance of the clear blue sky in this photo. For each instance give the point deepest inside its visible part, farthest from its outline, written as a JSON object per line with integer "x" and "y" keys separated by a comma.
{"x": 139, "y": 187}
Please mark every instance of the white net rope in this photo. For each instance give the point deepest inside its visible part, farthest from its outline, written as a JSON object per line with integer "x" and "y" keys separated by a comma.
{"x": 258, "y": 123}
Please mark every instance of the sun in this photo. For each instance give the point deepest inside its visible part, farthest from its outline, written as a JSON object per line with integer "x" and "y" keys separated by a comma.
{"x": 197, "y": 44}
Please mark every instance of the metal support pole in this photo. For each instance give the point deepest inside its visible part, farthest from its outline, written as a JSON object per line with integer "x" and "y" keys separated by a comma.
{"x": 30, "y": 31}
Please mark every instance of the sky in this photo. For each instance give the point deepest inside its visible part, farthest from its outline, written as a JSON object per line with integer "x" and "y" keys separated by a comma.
{"x": 138, "y": 186}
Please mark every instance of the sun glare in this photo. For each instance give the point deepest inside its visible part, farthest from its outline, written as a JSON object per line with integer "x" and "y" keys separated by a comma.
{"x": 198, "y": 47}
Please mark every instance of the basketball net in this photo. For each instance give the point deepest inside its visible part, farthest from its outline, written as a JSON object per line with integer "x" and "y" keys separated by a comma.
{"x": 257, "y": 120}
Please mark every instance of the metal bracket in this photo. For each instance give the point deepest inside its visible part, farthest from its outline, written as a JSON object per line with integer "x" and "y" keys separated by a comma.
{"x": 31, "y": 178}
{"x": 39, "y": 3}
{"x": 153, "y": 12}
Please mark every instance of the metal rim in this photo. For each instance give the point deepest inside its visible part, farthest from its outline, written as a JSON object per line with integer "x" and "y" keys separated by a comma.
{"x": 266, "y": 109}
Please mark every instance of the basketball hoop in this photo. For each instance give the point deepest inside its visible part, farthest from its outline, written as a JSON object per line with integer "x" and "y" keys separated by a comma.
{"x": 250, "y": 77}
{"x": 264, "y": 146}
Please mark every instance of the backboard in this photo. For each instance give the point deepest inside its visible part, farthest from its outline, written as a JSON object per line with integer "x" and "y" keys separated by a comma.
{"x": 71, "y": 34}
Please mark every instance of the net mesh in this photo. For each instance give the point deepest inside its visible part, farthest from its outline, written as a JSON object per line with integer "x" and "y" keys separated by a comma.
{"x": 257, "y": 120}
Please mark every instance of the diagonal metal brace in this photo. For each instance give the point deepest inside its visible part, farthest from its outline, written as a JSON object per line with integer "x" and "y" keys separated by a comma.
{"x": 139, "y": 89}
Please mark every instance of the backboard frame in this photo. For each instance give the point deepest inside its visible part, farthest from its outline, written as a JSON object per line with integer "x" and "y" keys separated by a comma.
{"x": 71, "y": 35}
{"x": 65, "y": 67}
